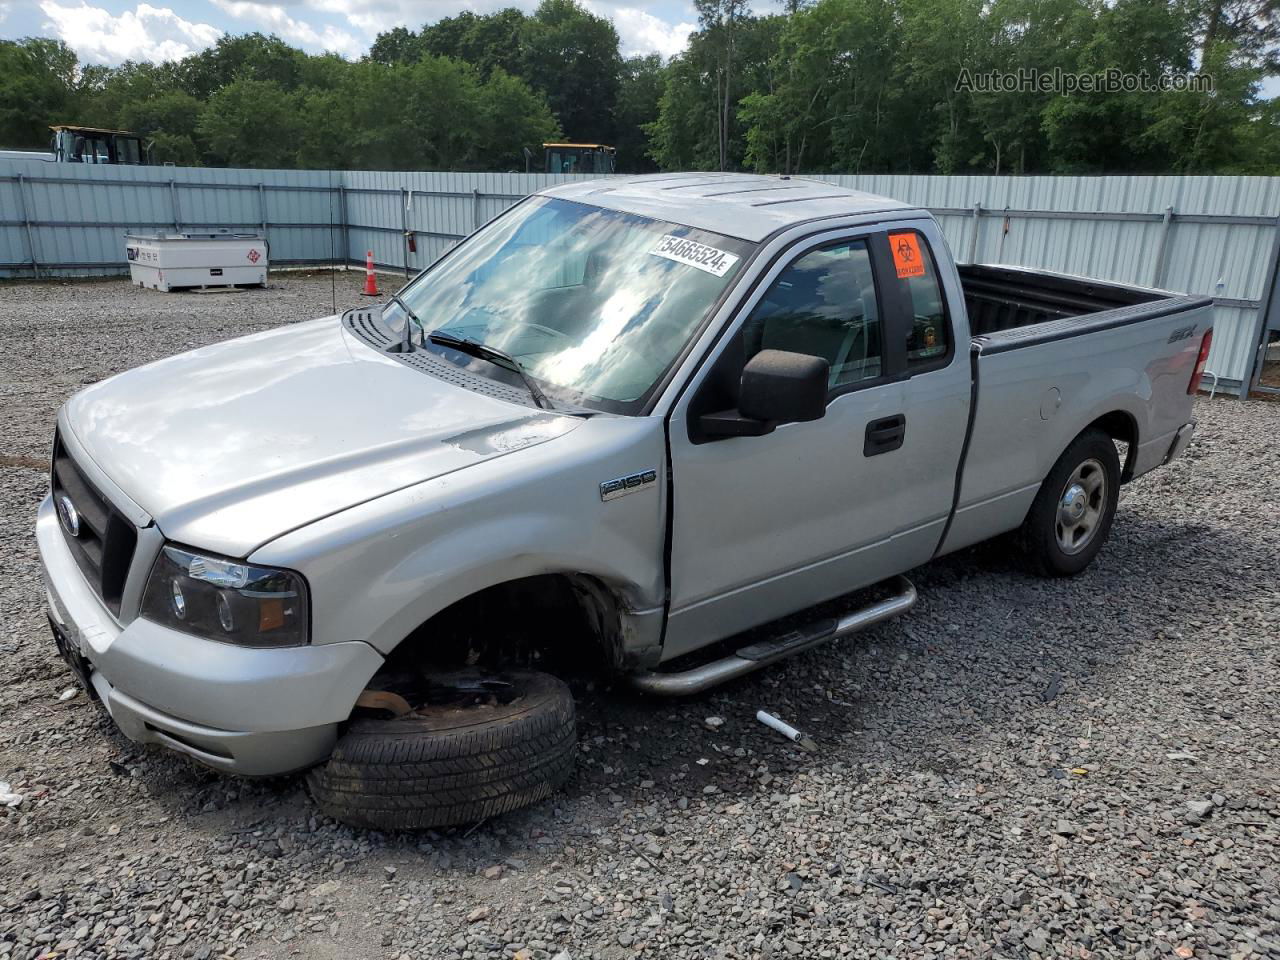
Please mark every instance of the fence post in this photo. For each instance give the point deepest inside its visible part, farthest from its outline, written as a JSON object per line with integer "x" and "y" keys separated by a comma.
{"x": 262, "y": 212}
{"x": 475, "y": 209}
{"x": 973, "y": 240}
{"x": 1162, "y": 248}
{"x": 26, "y": 222}
{"x": 404, "y": 228}
{"x": 1269, "y": 304}
{"x": 177, "y": 212}
{"x": 346, "y": 227}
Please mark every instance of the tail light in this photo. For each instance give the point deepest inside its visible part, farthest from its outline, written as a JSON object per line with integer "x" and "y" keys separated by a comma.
{"x": 1198, "y": 371}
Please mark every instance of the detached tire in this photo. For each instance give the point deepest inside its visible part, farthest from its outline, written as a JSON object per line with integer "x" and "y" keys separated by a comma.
{"x": 452, "y": 764}
{"x": 1071, "y": 516}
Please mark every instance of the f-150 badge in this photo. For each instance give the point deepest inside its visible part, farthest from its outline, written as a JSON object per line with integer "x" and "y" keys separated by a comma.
{"x": 613, "y": 489}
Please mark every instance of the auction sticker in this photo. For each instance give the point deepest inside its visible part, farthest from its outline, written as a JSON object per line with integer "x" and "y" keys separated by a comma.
{"x": 906, "y": 255}
{"x": 693, "y": 254}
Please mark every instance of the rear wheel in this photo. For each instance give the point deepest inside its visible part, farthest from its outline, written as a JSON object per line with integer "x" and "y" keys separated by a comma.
{"x": 472, "y": 747}
{"x": 1072, "y": 514}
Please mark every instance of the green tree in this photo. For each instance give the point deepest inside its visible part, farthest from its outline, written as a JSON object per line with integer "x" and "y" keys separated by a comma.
{"x": 941, "y": 39}
{"x": 168, "y": 122}
{"x": 835, "y": 85}
{"x": 835, "y": 100}
{"x": 513, "y": 118}
{"x": 488, "y": 42}
{"x": 398, "y": 45}
{"x": 1026, "y": 35}
{"x": 250, "y": 56}
{"x": 688, "y": 133}
{"x": 251, "y": 123}
{"x": 639, "y": 95}
{"x": 572, "y": 56}
{"x": 113, "y": 94}
{"x": 355, "y": 119}
{"x": 39, "y": 85}
{"x": 440, "y": 102}
{"x": 1226, "y": 130}
{"x": 1249, "y": 28}
{"x": 720, "y": 20}
{"x": 1091, "y": 132}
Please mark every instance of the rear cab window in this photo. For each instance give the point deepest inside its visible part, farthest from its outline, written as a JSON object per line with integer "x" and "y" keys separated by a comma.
{"x": 929, "y": 339}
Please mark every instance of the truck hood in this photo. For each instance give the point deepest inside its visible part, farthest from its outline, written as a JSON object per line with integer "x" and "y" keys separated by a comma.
{"x": 232, "y": 445}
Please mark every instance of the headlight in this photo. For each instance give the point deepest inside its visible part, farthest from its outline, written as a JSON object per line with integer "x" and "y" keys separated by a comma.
{"x": 227, "y": 600}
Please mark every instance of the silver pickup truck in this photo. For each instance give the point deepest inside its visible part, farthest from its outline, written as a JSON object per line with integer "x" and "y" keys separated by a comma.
{"x": 629, "y": 425}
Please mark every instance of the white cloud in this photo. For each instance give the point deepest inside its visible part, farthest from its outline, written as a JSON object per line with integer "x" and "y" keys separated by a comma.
{"x": 638, "y": 30}
{"x": 277, "y": 20}
{"x": 641, "y": 32}
{"x": 373, "y": 17}
{"x": 144, "y": 33}
{"x": 4, "y": 11}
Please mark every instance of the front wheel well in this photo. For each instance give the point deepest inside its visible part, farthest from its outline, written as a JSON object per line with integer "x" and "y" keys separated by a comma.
{"x": 568, "y": 620}
{"x": 1122, "y": 428}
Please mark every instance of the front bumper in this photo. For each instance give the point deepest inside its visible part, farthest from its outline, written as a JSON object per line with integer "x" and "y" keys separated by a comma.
{"x": 237, "y": 709}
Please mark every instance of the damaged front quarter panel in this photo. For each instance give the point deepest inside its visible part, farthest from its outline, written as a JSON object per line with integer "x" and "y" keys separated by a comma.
{"x": 630, "y": 638}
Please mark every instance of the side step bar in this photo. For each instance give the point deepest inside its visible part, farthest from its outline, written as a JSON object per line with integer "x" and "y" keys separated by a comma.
{"x": 764, "y": 652}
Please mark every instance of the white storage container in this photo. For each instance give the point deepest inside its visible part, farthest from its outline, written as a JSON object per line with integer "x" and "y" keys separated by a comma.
{"x": 171, "y": 260}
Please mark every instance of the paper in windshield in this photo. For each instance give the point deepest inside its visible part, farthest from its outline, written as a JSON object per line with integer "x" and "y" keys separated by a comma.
{"x": 693, "y": 254}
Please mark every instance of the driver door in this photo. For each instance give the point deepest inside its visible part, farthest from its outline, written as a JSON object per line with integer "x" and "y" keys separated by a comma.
{"x": 765, "y": 526}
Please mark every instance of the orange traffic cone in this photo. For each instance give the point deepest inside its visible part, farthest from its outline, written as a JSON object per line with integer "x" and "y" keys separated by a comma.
{"x": 370, "y": 282}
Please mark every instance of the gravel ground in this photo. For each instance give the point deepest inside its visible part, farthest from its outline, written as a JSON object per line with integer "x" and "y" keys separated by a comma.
{"x": 1083, "y": 768}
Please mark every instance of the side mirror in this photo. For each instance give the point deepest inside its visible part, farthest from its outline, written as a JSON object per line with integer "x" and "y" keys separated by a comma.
{"x": 777, "y": 387}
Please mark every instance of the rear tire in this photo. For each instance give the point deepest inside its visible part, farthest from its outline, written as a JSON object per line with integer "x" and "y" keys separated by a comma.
{"x": 1071, "y": 516}
{"x": 450, "y": 765}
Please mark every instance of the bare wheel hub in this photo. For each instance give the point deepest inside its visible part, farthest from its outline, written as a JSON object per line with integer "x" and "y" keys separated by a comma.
{"x": 1081, "y": 506}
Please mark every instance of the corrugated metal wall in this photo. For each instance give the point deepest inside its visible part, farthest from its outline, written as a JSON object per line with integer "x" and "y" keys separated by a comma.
{"x": 72, "y": 218}
{"x": 439, "y": 208}
{"x": 1209, "y": 235}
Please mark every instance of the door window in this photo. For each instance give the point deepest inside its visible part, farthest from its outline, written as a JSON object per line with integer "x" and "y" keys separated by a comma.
{"x": 824, "y": 305}
{"x": 128, "y": 150}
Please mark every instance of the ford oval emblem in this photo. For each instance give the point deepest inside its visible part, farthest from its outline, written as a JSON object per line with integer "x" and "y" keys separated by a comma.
{"x": 69, "y": 515}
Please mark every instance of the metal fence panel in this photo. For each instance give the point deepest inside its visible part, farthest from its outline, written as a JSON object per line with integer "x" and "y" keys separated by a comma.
{"x": 80, "y": 214}
{"x": 1208, "y": 235}
{"x": 439, "y": 208}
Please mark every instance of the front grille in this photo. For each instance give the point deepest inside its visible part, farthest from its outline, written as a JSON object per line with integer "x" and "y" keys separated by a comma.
{"x": 104, "y": 546}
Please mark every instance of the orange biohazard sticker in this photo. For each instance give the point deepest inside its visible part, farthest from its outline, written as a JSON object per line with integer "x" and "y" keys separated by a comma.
{"x": 906, "y": 255}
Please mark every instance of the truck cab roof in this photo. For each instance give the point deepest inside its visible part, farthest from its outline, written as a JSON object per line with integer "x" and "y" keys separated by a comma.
{"x": 747, "y": 206}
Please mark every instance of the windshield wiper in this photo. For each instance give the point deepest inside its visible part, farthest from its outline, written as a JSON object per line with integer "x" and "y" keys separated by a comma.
{"x": 410, "y": 319}
{"x": 495, "y": 356}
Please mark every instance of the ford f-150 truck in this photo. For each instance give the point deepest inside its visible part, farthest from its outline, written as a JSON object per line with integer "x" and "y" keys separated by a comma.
{"x": 651, "y": 420}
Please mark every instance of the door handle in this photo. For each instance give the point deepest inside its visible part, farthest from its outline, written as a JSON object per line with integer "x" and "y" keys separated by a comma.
{"x": 884, "y": 435}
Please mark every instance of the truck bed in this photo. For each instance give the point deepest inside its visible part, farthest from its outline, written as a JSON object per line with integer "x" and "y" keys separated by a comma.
{"x": 1052, "y": 354}
{"x": 1005, "y": 298}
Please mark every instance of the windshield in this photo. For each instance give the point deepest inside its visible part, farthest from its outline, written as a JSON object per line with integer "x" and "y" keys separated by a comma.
{"x": 594, "y": 304}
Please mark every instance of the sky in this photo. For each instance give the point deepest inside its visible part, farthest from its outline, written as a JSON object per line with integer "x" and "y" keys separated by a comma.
{"x": 111, "y": 31}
